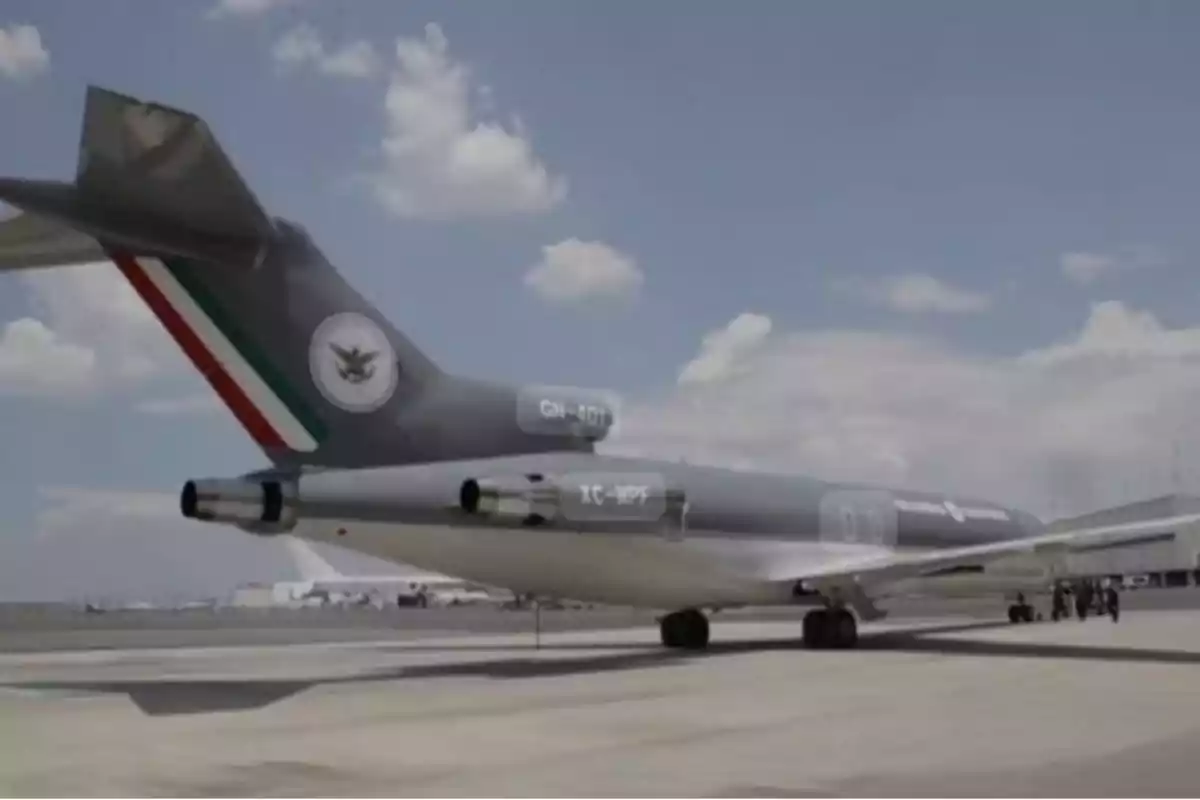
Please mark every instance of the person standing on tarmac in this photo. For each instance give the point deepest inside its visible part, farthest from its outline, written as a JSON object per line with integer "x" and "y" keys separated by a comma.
{"x": 1059, "y": 610}
{"x": 1083, "y": 599}
{"x": 1101, "y": 597}
{"x": 1112, "y": 600}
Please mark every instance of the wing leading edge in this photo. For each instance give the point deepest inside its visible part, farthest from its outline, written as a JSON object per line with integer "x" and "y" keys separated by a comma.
{"x": 871, "y": 575}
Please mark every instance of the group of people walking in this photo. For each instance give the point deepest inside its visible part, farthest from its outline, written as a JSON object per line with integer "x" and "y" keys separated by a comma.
{"x": 1089, "y": 595}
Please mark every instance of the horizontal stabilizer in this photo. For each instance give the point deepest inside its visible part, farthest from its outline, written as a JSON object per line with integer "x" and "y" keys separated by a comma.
{"x": 151, "y": 180}
{"x": 29, "y": 241}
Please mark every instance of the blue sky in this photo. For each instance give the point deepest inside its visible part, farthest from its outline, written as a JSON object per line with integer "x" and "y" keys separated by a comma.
{"x": 969, "y": 179}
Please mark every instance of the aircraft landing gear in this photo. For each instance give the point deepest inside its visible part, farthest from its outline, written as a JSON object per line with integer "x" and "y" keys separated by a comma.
{"x": 830, "y": 628}
{"x": 684, "y": 630}
{"x": 1020, "y": 611}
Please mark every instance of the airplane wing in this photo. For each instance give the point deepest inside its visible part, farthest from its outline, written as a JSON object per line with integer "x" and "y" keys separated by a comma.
{"x": 864, "y": 577}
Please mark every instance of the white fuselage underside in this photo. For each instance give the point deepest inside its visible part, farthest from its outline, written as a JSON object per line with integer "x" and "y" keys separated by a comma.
{"x": 636, "y": 570}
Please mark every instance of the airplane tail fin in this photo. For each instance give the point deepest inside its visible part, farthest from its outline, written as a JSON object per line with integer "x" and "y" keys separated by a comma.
{"x": 150, "y": 157}
{"x": 304, "y": 362}
{"x": 310, "y": 564}
{"x": 150, "y": 180}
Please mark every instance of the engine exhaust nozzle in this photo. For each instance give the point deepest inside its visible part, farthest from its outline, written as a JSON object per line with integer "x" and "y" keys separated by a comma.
{"x": 524, "y": 497}
{"x": 260, "y": 506}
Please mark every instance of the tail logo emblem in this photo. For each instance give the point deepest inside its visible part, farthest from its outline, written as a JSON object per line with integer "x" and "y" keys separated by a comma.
{"x": 353, "y": 363}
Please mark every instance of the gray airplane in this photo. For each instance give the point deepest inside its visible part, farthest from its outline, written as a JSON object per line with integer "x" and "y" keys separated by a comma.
{"x": 374, "y": 447}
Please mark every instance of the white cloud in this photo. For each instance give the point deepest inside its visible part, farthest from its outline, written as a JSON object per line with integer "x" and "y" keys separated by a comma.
{"x": 34, "y": 360}
{"x": 354, "y": 60}
{"x": 440, "y": 163}
{"x": 1114, "y": 331}
{"x": 245, "y": 8}
{"x": 93, "y": 306}
{"x": 573, "y": 270}
{"x": 1091, "y": 421}
{"x": 88, "y": 330}
{"x": 299, "y": 45}
{"x": 22, "y": 54}
{"x": 917, "y": 293}
{"x": 1086, "y": 268}
{"x": 115, "y": 545}
{"x": 303, "y": 46}
{"x": 723, "y": 349}
{"x": 70, "y": 505}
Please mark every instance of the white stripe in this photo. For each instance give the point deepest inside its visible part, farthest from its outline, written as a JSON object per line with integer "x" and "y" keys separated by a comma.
{"x": 261, "y": 396}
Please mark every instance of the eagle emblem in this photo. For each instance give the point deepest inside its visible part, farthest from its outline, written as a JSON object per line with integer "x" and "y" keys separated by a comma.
{"x": 354, "y": 364}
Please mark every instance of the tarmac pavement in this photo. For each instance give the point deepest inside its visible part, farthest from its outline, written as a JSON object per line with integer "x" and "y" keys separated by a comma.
{"x": 956, "y": 706}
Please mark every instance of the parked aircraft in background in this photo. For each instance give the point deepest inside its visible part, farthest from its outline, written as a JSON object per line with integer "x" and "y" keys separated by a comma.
{"x": 319, "y": 578}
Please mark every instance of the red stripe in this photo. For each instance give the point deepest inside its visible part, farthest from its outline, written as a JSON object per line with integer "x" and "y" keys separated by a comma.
{"x": 226, "y": 388}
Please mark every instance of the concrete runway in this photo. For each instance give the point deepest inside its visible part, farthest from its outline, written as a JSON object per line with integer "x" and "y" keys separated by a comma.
{"x": 69, "y": 629}
{"x": 43, "y": 628}
{"x": 924, "y": 708}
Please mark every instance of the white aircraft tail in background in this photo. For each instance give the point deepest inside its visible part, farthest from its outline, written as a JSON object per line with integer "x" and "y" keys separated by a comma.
{"x": 320, "y": 578}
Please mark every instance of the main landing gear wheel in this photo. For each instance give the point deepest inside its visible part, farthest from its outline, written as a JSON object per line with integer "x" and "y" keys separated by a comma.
{"x": 1020, "y": 612}
{"x": 830, "y": 628}
{"x": 685, "y": 630}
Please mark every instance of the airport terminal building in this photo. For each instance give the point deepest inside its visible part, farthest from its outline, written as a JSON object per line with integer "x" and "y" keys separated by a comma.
{"x": 1175, "y": 554}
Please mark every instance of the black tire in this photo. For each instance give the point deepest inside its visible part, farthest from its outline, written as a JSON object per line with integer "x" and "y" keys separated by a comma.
{"x": 827, "y": 628}
{"x": 696, "y": 627}
{"x": 815, "y": 629}
{"x": 1014, "y": 615}
{"x": 685, "y": 630}
{"x": 842, "y": 628}
{"x": 668, "y": 628}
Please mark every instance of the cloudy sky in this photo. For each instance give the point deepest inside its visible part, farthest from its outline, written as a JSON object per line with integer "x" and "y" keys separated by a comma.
{"x": 927, "y": 244}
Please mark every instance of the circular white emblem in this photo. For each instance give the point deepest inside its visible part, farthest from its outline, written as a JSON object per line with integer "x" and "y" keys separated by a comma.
{"x": 352, "y": 363}
{"x": 956, "y": 513}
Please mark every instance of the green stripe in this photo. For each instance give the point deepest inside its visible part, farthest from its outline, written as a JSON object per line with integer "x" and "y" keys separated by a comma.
{"x": 266, "y": 369}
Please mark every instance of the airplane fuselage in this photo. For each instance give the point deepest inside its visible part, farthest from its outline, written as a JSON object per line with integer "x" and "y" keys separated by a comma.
{"x": 740, "y": 533}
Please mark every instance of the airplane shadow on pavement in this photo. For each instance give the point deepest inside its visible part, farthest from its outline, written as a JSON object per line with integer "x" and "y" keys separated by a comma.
{"x": 917, "y": 643}
{"x": 173, "y": 697}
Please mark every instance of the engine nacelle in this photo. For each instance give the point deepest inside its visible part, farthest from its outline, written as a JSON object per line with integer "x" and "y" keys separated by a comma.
{"x": 591, "y": 499}
{"x": 526, "y": 497}
{"x": 441, "y": 494}
{"x": 257, "y": 506}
